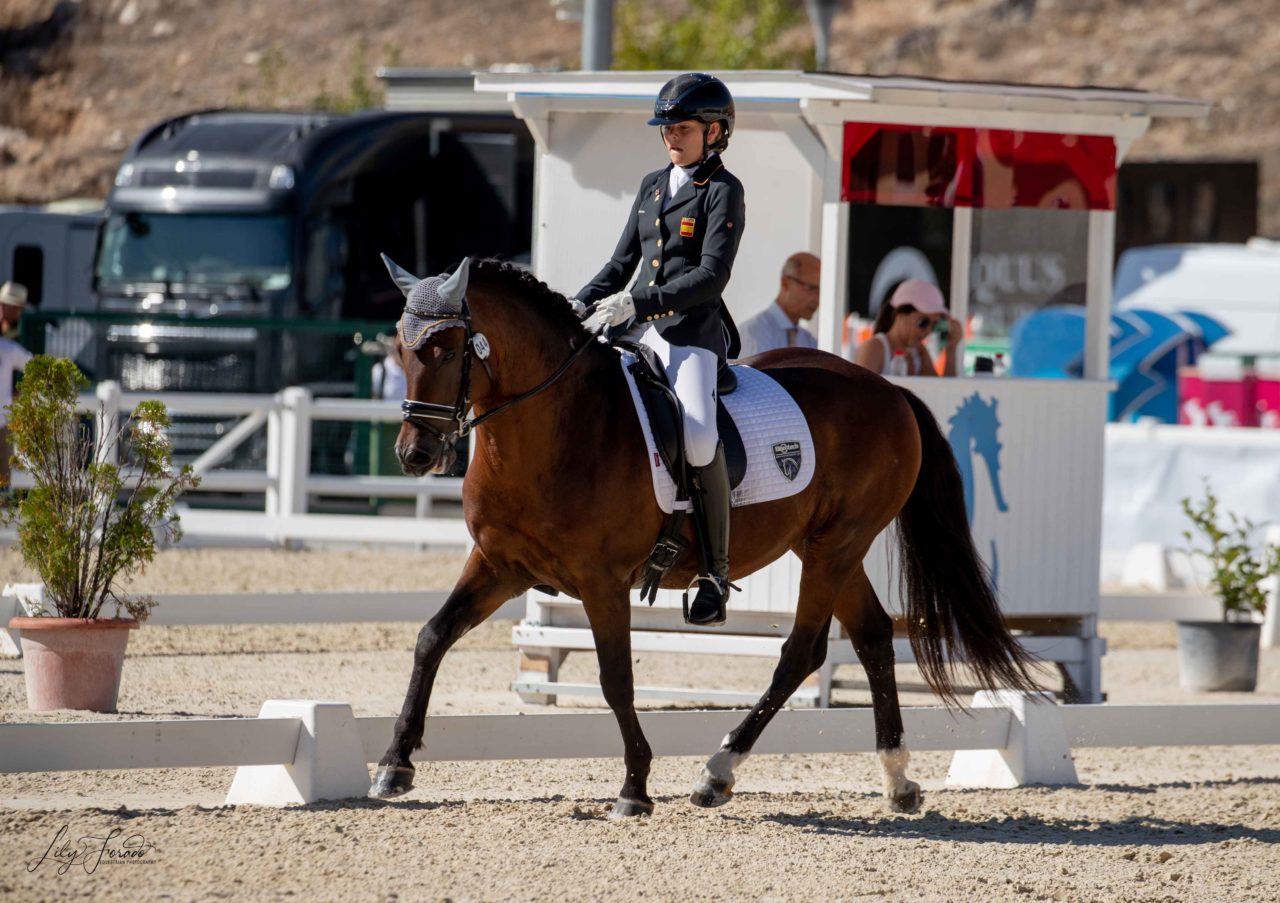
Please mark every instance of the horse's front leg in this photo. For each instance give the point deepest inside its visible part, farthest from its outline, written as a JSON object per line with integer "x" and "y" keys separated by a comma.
{"x": 480, "y": 591}
{"x": 610, "y": 617}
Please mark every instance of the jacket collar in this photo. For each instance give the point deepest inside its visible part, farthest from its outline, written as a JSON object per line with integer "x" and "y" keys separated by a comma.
{"x": 697, "y": 182}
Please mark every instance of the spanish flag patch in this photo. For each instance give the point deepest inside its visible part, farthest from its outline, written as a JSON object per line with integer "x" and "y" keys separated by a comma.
{"x": 686, "y": 226}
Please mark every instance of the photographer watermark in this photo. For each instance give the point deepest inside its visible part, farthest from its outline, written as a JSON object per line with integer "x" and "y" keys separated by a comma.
{"x": 114, "y": 847}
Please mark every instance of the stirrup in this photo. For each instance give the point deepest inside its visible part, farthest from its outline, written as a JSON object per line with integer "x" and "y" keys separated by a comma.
{"x": 719, "y": 614}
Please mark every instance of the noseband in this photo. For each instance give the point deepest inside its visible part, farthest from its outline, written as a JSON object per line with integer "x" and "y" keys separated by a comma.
{"x": 420, "y": 413}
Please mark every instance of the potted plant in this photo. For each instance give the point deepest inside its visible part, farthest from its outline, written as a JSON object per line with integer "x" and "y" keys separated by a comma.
{"x": 86, "y": 524}
{"x": 1223, "y": 655}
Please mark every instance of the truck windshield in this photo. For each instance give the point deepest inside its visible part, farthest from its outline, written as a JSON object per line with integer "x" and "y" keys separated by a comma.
{"x": 217, "y": 250}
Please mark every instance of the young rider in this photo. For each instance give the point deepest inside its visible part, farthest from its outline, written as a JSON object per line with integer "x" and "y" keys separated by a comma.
{"x": 683, "y": 232}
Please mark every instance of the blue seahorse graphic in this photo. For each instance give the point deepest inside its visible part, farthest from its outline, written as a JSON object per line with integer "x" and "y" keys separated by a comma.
{"x": 975, "y": 430}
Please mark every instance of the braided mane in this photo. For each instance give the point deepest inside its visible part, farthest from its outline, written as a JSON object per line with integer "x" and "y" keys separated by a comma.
{"x": 523, "y": 284}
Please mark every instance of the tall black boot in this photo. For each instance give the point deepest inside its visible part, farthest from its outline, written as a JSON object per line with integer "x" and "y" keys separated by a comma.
{"x": 710, "y": 497}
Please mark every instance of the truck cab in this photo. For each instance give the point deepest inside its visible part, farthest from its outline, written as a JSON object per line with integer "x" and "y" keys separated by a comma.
{"x": 225, "y": 215}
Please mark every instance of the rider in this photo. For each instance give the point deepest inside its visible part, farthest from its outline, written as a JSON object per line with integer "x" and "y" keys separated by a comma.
{"x": 683, "y": 232}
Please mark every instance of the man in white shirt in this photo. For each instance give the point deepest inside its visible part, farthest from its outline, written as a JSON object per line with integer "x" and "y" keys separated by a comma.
{"x": 13, "y": 357}
{"x": 778, "y": 325}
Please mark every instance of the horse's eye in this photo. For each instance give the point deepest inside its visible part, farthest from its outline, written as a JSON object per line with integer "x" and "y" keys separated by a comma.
{"x": 450, "y": 355}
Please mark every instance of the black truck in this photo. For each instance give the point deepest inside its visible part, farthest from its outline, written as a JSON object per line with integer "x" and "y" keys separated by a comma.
{"x": 234, "y": 218}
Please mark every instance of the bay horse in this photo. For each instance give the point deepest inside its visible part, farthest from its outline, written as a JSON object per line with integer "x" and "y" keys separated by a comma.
{"x": 558, "y": 493}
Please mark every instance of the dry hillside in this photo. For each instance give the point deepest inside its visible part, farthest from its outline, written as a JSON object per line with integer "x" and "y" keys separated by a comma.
{"x": 80, "y": 78}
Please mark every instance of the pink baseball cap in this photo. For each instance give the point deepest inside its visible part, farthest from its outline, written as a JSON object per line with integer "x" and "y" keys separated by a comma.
{"x": 923, "y": 296}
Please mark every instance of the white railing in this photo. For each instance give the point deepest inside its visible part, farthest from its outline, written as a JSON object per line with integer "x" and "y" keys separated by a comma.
{"x": 301, "y": 751}
{"x": 286, "y": 482}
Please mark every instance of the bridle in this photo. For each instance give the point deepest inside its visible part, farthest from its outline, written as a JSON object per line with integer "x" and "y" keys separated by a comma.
{"x": 420, "y": 413}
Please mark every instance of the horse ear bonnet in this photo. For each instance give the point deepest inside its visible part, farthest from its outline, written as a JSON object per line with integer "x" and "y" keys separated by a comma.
{"x": 431, "y": 304}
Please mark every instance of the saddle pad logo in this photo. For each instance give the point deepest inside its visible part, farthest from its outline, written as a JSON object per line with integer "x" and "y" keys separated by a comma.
{"x": 787, "y": 456}
{"x": 686, "y": 226}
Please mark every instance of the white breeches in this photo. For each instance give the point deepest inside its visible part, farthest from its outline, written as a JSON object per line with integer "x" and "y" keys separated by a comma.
{"x": 692, "y": 373}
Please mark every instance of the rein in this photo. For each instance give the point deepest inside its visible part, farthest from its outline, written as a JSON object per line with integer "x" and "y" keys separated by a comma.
{"x": 420, "y": 412}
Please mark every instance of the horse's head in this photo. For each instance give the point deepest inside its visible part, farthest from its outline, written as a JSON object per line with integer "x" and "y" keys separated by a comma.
{"x": 435, "y": 345}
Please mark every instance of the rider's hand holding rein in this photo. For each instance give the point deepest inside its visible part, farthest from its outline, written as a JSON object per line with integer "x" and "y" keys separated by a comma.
{"x": 614, "y": 310}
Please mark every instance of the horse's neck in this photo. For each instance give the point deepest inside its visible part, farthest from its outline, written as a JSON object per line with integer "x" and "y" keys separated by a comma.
{"x": 551, "y": 426}
{"x": 564, "y": 431}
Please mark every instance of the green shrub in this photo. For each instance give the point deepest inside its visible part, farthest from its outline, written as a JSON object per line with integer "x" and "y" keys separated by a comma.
{"x": 87, "y": 523}
{"x": 1237, "y": 571}
{"x": 710, "y": 35}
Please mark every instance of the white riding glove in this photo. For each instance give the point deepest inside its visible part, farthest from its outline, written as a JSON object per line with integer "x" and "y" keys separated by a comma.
{"x": 579, "y": 309}
{"x": 611, "y": 311}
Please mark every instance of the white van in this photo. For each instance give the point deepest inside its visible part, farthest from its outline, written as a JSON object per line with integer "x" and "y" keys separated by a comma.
{"x": 1237, "y": 285}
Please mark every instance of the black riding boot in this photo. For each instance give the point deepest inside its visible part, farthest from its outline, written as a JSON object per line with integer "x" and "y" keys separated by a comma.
{"x": 710, "y": 497}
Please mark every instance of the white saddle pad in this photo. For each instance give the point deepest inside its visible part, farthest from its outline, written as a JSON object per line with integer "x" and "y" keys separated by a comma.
{"x": 780, "y": 456}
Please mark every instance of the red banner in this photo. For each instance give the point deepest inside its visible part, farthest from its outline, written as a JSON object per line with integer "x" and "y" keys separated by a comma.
{"x": 942, "y": 166}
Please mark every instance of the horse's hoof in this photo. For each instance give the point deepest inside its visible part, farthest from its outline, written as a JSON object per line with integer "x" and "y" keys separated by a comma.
{"x": 629, "y": 808}
{"x": 391, "y": 780}
{"x": 908, "y": 801}
{"x": 710, "y": 794}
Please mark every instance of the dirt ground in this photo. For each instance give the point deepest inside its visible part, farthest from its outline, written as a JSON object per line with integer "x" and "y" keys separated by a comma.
{"x": 1192, "y": 824}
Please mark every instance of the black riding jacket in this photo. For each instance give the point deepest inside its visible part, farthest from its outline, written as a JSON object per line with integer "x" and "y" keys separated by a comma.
{"x": 685, "y": 249}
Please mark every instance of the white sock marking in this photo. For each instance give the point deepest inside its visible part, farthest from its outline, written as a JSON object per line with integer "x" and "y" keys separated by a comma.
{"x": 894, "y": 762}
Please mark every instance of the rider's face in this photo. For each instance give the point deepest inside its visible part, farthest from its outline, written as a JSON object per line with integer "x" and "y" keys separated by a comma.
{"x": 684, "y": 142}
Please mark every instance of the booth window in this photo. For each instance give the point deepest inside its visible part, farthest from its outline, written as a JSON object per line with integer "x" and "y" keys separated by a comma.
{"x": 1023, "y": 261}
{"x": 1030, "y": 194}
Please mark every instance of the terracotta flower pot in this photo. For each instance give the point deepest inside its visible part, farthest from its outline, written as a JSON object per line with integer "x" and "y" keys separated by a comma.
{"x": 73, "y": 663}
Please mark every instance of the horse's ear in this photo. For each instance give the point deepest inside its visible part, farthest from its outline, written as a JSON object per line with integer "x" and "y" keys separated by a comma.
{"x": 402, "y": 277}
{"x": 454, "y": 289}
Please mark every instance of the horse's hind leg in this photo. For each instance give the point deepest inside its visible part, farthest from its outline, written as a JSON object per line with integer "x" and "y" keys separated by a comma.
{"x": 871, "y": 631}
{"x": 802, "y": 654}
{"x": 610, "y": 617}
{"x": 480, "y": 591}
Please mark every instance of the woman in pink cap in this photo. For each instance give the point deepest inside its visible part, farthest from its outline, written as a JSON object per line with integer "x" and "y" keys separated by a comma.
{"x": 896, "y": 346}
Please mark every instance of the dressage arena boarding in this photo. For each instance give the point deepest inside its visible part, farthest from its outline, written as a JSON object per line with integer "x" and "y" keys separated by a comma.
{"x": 1149, "y": 822}
{"x": 252, "y": 706}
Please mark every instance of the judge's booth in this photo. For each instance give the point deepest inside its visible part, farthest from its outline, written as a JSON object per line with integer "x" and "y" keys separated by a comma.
{"x": 1002, "y": 195}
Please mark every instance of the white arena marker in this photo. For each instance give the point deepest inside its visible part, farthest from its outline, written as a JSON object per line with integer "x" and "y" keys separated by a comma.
{"x": 1036, "y": 751}
{"x": 329, "y": 763}
{"x": 17, "y": 599}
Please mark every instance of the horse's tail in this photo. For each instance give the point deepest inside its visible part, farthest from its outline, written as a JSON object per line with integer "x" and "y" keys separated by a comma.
{"x": 951, "y": 603}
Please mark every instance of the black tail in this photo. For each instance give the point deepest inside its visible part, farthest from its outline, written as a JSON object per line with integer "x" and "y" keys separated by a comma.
{"x": 951, "y": 604}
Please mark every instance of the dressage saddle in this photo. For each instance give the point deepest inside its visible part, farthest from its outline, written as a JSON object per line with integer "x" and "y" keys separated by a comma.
{"x": 665, "y": 416}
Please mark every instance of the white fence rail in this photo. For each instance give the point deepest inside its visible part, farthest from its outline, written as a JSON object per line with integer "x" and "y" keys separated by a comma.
{"x": 286, "y": 482}
{"x": 299, "y": 751}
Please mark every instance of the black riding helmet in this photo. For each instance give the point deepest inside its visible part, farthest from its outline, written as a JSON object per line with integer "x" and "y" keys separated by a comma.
{"x": 697, "y": 96}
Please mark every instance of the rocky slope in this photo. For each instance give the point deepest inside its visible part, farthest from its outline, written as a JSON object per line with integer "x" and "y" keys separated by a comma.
{"x": 80, "y": 78}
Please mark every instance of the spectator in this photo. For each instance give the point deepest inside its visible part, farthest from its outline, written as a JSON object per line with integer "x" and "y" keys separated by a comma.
{"x": 896, "y": 347}
{"x": 778, "y": 325}
{"x": 13, "y": 357}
